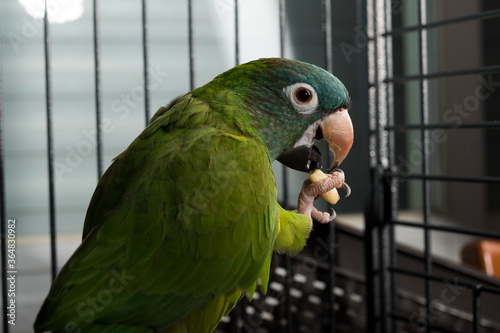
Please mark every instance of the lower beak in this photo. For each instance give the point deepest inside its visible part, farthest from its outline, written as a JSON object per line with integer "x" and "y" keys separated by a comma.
{"x": 336, "y": 129}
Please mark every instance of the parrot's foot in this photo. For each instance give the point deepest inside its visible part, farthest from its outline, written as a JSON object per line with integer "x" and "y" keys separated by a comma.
{"x": 312, "y": 191}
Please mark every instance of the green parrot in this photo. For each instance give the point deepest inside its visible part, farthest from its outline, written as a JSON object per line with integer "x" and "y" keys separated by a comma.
{"x": 185, "y": 221}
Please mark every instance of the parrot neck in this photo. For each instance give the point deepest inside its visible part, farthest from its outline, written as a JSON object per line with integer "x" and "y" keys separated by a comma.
{"x": 254, "y": 120}
{"x": 274, "y": 132}
{"x": 273, "y": 126}
{"x": 229, "y": 113}
{"x": 250, "y": 114}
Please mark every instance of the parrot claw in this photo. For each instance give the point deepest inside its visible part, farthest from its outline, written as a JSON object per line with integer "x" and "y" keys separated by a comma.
{"x": 333, "y": 215}
{"x": 347, "y": 189}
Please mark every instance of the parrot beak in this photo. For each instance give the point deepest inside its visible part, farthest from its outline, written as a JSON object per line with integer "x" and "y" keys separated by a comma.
{"x": 339, "y": 134}
{"x": 336, "y": 129}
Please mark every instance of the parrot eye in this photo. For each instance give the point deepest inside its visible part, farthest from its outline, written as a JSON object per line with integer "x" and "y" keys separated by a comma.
{"x": 303, "y": 97}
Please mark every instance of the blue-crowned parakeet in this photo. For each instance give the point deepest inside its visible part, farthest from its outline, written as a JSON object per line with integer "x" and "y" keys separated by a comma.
{"x": 186, "y": 219}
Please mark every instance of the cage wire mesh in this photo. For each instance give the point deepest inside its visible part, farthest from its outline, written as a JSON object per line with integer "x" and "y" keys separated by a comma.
{"x": 423, "y": 76}
{"x": 426, "y": 154}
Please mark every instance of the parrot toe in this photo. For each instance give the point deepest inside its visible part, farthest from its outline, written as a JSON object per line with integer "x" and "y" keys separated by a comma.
{"x": 323, "y": 217}
{"x": 346, "y": 187}
{"x": 312, "y": 191}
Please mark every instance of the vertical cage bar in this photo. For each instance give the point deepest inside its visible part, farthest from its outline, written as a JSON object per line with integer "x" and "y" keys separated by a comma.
{"x": 383, "y": 237}
{"x": 191, "y": 45}
{"x": 327, "y": 34}
{"x": 50, "y": 145}
{"x": 97, "y": 87}
{"x": 380, "y": 243}
{"x": 371, "y": 247}
{"x": 236, "y": 34}
{"x": 424, "y": 113}
{"x": 387, "y": 199}
{"x": 391, "y": 195}
{"x": 3, "y": 221}
{"x": 282, "y": 11}
{"x": 145, "y": 60}
{"x": 372, "y": 218}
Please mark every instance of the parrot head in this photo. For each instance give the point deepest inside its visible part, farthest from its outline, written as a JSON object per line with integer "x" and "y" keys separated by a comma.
{"x": 291, "y": 104}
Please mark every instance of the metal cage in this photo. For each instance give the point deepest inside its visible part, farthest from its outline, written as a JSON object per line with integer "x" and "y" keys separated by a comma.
{"x": 449, "y": 300}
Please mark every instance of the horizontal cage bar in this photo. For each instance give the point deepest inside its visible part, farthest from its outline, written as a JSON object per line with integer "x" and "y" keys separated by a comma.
{"x": 456, "y": 230}
{"x": 439, "y": 75}
{"x": 455, "y": 20}
{"x": 404, "y": 127}
{"x": 437, "y": 278}
{"x": 483, "y": 179}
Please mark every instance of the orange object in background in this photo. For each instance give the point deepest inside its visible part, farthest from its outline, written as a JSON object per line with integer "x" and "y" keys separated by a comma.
{"x": 484, "y": 254}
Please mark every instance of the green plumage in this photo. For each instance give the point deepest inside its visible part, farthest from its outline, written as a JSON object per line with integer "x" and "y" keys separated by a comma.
{"x": 185, "y": 220}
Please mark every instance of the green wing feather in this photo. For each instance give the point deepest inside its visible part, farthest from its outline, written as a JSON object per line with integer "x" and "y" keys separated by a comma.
{"x": 181, "y": 223}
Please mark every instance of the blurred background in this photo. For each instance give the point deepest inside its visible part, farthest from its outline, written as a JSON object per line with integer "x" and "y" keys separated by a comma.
{"x": 424, "y": 80}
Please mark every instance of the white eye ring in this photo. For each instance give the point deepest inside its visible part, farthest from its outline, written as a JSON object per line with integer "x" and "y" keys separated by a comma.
{"x": 303, "y": 97}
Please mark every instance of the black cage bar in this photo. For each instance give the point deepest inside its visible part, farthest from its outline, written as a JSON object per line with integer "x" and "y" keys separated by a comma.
{"x": 348, "y": 279}
{"x": 387, "y": 176}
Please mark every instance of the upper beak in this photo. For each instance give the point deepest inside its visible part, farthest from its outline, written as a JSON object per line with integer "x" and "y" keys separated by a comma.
{"x": 337, "y": 131}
